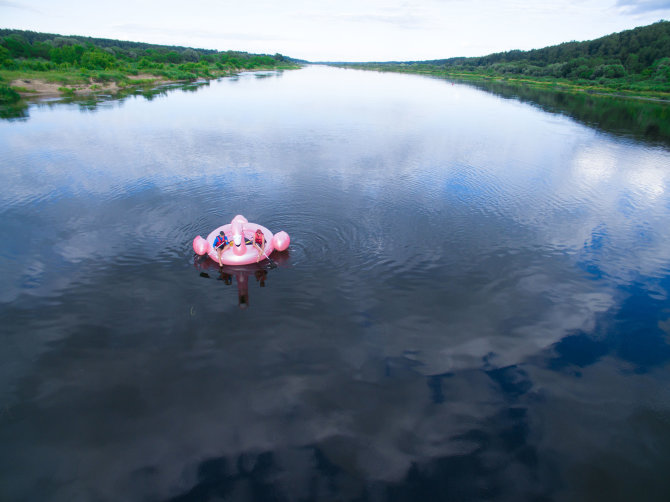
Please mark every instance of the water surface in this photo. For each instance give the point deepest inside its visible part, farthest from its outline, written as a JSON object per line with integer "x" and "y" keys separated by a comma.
{"x": 474, "y": 305}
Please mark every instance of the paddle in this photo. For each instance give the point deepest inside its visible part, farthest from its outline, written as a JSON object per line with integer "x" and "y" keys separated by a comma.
{"x": 272, "y": 263}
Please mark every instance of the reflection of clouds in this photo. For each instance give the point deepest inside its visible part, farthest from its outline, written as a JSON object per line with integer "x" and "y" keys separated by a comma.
{"x": 587, "y": 431}
{"x": 493, "y": 323}
{"x": 243, "y": 395}
{"x": 650, "y": 180}
{"x": 75, "y": 238}
{"x": 141, "y": 141}
{"x": 280, "y": 388}
{"x": 614, "y": 195}
{"x": 593, "y": 165}
{"x": 380, "y": 358}
{"x": 283, "y": 391}
{"x": 357, "y": 394}
{"x": 645, "y": 171}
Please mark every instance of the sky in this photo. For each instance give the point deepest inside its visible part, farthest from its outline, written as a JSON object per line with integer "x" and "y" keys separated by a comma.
{"x": 339, "y": 30}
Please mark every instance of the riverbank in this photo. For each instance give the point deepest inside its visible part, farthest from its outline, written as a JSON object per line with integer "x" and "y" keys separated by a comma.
{"x": 562, "y": 85}
{"x": 567, "y": 86}
{"x": 32, "y": 87}
{"x": 55, "y": 84}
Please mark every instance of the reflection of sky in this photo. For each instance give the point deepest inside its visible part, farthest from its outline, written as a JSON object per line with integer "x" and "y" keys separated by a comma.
{"x": 464, "y": 269}
{"x": 570, "y": 194}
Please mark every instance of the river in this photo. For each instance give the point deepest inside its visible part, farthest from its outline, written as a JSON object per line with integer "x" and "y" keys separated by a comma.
{"x": 474, "y": 304}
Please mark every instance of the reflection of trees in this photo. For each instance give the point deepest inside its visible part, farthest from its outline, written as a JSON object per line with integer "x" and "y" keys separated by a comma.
{"x": 14, "y": 111}
{"x": 151, "y": 94}
{"x": 91, "y": 103}
{"x": 194, "y": 86}
{"x": 642, "y": 119}
{"x": 273, "y": 74}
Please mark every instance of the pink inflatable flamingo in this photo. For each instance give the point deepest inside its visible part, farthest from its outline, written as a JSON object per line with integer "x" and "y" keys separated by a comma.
{"x": 241, "y": 253}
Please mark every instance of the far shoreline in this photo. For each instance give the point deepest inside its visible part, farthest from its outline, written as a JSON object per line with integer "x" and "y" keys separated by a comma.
{"x": 555, "y": 85}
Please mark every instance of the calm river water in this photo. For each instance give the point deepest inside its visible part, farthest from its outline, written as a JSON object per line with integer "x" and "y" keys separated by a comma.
{"x": 474, "y": 304}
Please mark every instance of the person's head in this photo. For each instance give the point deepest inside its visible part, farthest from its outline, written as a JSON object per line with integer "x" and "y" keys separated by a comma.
{"x": 259, "y": 232}
{"x": 222, "y": 234}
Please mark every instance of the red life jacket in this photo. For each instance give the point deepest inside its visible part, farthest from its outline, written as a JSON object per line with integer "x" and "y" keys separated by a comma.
{"x": 220, "y": 240}
{"x": 259, "y": 239}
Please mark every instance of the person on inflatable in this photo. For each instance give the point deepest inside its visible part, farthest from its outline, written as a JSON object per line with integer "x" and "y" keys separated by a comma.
{"x": 220, "y": 244}
{"x": 259, "y": 243}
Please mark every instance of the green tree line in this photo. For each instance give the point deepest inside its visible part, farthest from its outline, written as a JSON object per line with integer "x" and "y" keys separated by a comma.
{"x": 105, "y": 59}
{"x": 18, "y": 46}
{"x": 23, "y": 44}
{"x": 637, "y": 59}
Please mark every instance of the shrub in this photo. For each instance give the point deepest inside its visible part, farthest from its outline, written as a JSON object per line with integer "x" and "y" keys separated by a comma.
{"x": 662, "y": 73}
{"x": 103, "y": 77}
{"x": 173, "y": 57}
{"x": 582, "y": 72}
{"x": 97, "y": 60}
{"x": 36, "y": 65}
{"x": 614, "y": 71}
{"x": 10, "y": 64}
{"x": 190, "y": 55}
{"x": 8, "y": 95}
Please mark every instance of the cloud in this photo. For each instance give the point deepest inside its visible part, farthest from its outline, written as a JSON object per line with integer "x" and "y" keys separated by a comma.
{"x": 180, "y": 33}
{"x": 16, "y": 5}
{"x": 643, "y": 6}
{"x": 408, "y": 15}
{"x": 396, "y": 20}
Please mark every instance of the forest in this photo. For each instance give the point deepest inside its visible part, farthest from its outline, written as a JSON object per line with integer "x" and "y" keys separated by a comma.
{"x": 634, "y": 61}
{"x": 74, "y": 61}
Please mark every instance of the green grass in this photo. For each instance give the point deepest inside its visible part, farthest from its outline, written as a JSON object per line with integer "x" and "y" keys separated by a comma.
{"x": 18, "y": 88}
{"x": 628, "y": 86}
{"x": 8, "y": 95}
{"x": 76, "y": 77}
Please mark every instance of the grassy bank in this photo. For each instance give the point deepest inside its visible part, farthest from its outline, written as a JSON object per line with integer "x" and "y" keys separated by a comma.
{"x": 17, "y": 83}
{"x": 640, "y": 89}
{"x": 40, "y": 63}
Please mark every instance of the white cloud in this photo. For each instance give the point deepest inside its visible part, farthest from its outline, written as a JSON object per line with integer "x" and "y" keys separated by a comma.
{"x": 643, "y": 6}
{"x": 15, "y": 5}
{"x": 340, "y": 31}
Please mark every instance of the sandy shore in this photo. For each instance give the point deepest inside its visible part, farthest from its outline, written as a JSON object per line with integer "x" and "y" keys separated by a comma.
{"x": 41, "y": 88}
